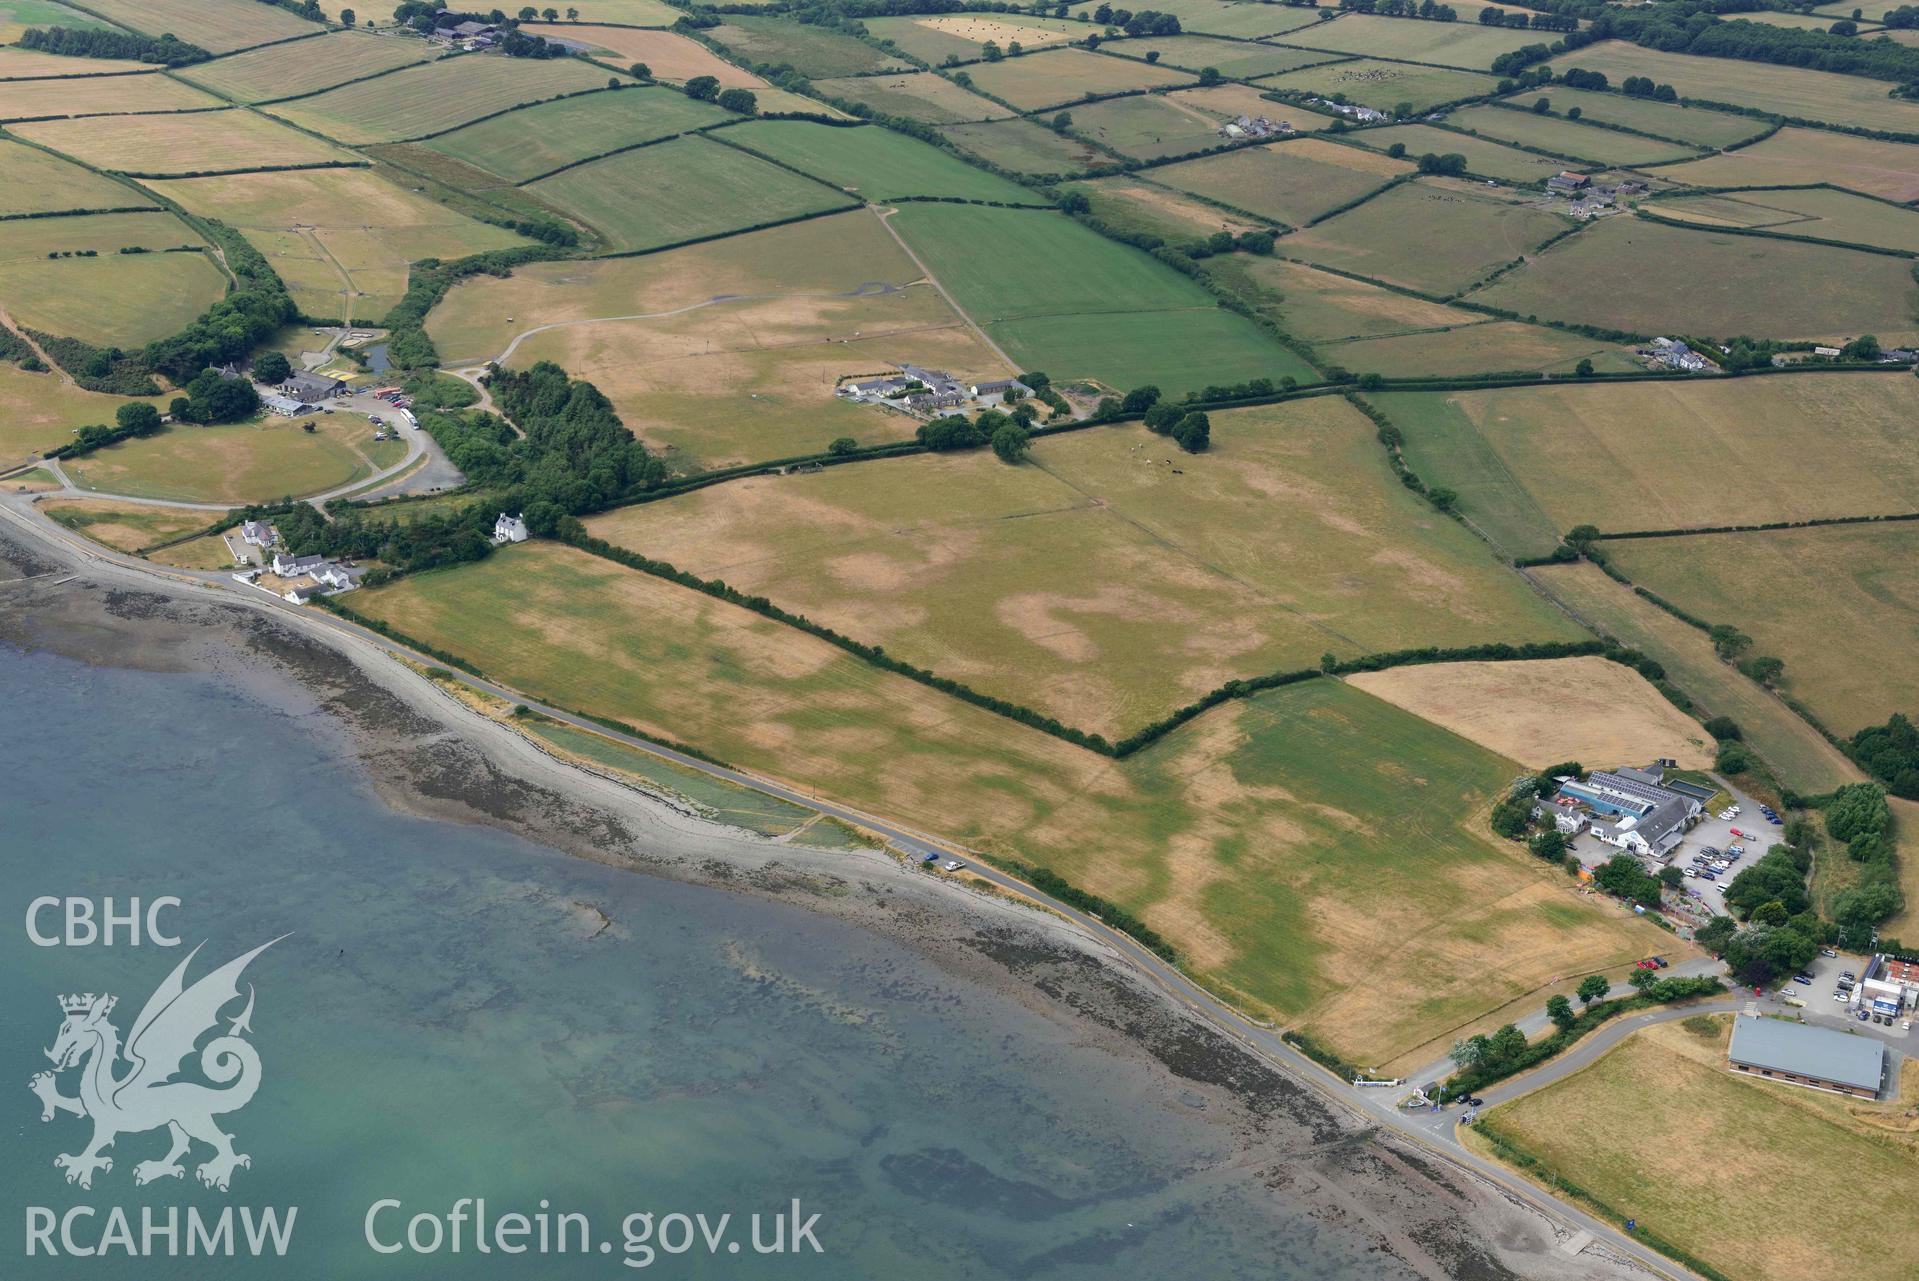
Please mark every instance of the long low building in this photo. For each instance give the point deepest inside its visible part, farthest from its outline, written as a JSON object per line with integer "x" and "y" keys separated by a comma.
{"x": 1817, "y": 1057}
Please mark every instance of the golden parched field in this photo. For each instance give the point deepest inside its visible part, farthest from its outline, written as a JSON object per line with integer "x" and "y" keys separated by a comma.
{"x": 1840, "y": 605}
{"x": 1317, "y": 853}
{"x": 1590, "y": 710}
{"x": 1667, "y": 455}
{"x": 835, "y": 255}
{"x": 1797, "y": 156}
{"x": 217, "y": 25}
{"x": 1111, "y": 579}
{"x": 668, "y": 55}
{"x": 1759, "y": 1179}
{"x": 304, "y": 66}
{"x": 39, "y": 411}
{"x": 750, "y": 380}
{"x": 98, "y": 96}
{"x": 31, "y": 181}
{"x": 436, "y": 96}
{"x": 188, "y": 142}
{"x": 1291, "y": 182}
{"x": 127, "y": 527}
{"x": 1800, "y": 758}
{"x": 319, "y": 225}
{"x": 1619, "y": 273}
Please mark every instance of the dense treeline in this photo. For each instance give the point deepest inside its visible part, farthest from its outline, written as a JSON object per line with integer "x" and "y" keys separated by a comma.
{"x": 1695, "y": 27}
{"x": 232, "y": 327}
{"x": 76, "y": 42}
{"x": 1890, "y": 753}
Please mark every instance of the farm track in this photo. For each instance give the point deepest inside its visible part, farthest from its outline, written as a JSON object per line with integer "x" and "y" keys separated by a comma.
{"x": 883, "y": 215}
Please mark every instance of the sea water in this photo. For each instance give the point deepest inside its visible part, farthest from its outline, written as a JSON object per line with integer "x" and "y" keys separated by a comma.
{"x": 455, "y": 1013}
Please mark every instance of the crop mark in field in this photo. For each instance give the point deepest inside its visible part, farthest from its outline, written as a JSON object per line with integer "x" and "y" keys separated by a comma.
{"x": 866, "y": 289}
{"x": 1149, "y": 532}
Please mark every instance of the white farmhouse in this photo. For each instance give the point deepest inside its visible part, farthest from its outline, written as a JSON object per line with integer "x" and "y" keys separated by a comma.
{"x": 509, "y": 529}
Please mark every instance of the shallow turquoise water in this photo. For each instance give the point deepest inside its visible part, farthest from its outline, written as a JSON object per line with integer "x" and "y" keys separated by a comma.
{"x": 441, "y": 1024}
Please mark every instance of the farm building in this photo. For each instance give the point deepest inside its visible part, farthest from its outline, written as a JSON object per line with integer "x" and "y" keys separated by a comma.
{"x": 312, "y": 388}
{"x": 1816, "y": 1057}
{"x": 1567, "y": 181}
{"x": 259, "y": 533}
{"x": 1002, "y": 387}
{"x": 284, "y": 406}
{"x": 1629, "y": 809}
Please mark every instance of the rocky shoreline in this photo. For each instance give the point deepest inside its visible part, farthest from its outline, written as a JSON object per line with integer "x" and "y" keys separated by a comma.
{"x": 428, "y": 754}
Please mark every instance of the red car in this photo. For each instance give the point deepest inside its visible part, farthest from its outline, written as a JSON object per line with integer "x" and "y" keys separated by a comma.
{"x": 1743, "y": 836}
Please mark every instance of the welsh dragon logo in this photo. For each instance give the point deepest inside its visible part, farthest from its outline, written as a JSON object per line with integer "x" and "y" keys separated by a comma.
{"x": 145, "y": 1096}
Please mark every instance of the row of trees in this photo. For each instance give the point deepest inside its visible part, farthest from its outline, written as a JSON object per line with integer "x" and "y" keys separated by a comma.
{"x": 77, "y": 42}
{"x": 1426, "y": 9}
{"x": 1146, "y": 22}
{"x": 1537, "y": 21}
{"x": 707, "y": 89}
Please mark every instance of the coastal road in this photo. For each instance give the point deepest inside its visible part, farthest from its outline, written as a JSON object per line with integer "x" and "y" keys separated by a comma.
{"x": 1434, "y": 1132}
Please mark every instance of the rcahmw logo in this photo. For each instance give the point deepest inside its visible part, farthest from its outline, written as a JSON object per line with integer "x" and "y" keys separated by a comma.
{"x": 144, "y": 1084}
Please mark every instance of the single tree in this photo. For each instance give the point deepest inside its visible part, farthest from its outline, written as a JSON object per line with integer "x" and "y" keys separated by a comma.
{"x": 1592, "y": 987}
{"x": 1011, "y": 441}
{"x": 1209, "y": 75}
{"x": 739, "y": 100}
{"x": 702, "y": 88}
{"x": 551, "y": 15}
{"x": 1643, "y": 979}
{"x": 346, "y": 17}
{"x": 1584, "y": 368}
{"x": 640, "y": 71}
{"x": 842, "y": 446}
{"x": 138, "y": 418}
{"x": 1560, "y": 1011}
{"x": 1194, "y": 433}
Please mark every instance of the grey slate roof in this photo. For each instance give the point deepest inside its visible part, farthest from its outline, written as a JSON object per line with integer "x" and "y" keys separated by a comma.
{"x": 1816, "y": 1052}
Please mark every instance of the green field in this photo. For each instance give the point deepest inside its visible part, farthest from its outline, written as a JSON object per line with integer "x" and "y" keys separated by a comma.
{"x": 1663, "y": 450}
{"x": 98, "y": 96}
{"x": 962, "y": 36}
{"x": 681, "y": 190}
{"x": 1568, "y": 137}
{"x": 28, "y": 239}
{"x": 1024, "y": 147}
{"x": 17, "y": 15}
{"x": 1795, "y": 157}
{"x": 39, "y": 411}
{"x": 1714, "y": 1184}
{"x": 1234, "y": 58}
{"x": 524, "y": 144}
{"x": 1619, "y": 273}
{"x": 183, "y": 142}
{"x": 1436, "y": 236}
{"x": 1816, "y": 214}
{"x": 1799, "y": 758}
{"x": 1385, "y": 85}
{"x": 1840, "y": 605}
{"x": 1139, "y": 206}
{"x": 1788, "y": 91}
{"x": 1147, "y": 127}
{"x": 1483, "y": 157}
{"x": 1063, "y": 299}
{"x": 236, "y": 462}
{"x": 1695, "y": 125}
{"x": 923, "y": 96}
{"x": 1209, "y": 833}
{"x": 304, "y": 66}
{"x": 1060, "y": 76}
{"x": 437, "y": 97}
{"x": 1318, "y": 306}
{"x": 716, "y": 798}
{"x": 1458, "y": 44}
{"x": 112, "y": 301}
{"x": 874, "y": 163}
{"x": 1100, "y": 585}
{"x": 218, "y": 25}
{"x": 633, "y": 13}
{"x": 27, "y": 64}
{"x": 1247, "y": 19}
{"x": 1292, "y": 182}
{"x": 809, "y": 49}
{"x": 1487, "y": 347}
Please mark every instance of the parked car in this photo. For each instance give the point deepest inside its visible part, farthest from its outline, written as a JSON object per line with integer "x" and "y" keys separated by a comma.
{"x": 1864, "y": 1017}
{"x": 1848, "y": 974}
{"x": 1826, "y": 951}
{"x": 953, "y": 865}
{"x": 1710, "y": 875}
{"x": 1661, "y": 962}
{"x": 1839, "y": 996}
{"x": 1803, "y": 978}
